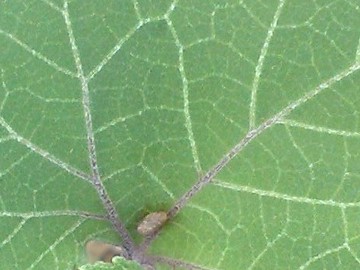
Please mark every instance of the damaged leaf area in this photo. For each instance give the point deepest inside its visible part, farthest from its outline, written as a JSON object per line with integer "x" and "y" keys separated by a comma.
{"x": 179, "y": 134}
{"x": 117, "y": 264}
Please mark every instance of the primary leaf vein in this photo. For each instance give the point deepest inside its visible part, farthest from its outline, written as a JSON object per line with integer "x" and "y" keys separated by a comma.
{"x": 96, "y": 179}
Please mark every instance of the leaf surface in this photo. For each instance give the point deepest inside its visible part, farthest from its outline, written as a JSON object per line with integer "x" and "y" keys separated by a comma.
{"x": 238, "y": 118}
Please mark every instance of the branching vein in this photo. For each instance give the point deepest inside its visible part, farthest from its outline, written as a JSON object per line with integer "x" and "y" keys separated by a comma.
{"x": 54, "y": 245}
{"x": 37, "y": 54}
{"x": 188, "y": 123}
{"x": 260, "y": 64}
{"x": 256, "y": 132}
{"x": 330, "y": 131}
{"x": 41, "y": 214}
{"x": 96, "y": 180}
{"x": 285, "y": 197}
{"x": 13, "y": 233}
{"x": 209, "y": 176}
{"x": 36, "y": 149}
{"x": 113, "y": 51}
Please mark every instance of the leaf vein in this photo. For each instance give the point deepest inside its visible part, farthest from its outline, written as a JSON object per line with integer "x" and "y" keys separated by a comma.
{"x": 260, "y": 64}
{"x": 57, "y": 242}
{"x": 285, "y": 197}
{"x": 37, "y": 54}
{"x": 185, "y": 89}
{"x": 96, "y": 179}
{"x": 49, "y": 157}
{"x": 319, "y": 129}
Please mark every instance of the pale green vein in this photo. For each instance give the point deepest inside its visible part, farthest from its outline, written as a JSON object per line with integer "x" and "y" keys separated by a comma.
{"x": 188, "y": 123}
{"x": 282, "y": 196}
{"x": 6, "y": 139}
{"x": 37, "y": 54}
{"x": 236, "y": 51}
{"x": 358, "y": 52}
{"x": 7, "y": 93}
{"x": 56, "y": 243}
{"x": 52, "y": 5}
{"x": 48, "y": 100}
{"x": 113, "y": 51}
{"x": 158, "y": 181}
{"x": 323, "y": 255}
{"x": 41, "y": 214}
{"x": 212, "y": 215}
{"x": 107, "y": 177}
{"x": 331, "y": 42}
{"x": 345, "y": 174}
{"x": 14, "y": 164}
{"x": 46, "y": 155}
{"x": 271, "y": 243}
{"x": 343, "y": 216}
{"x": 260, "y": 65}
{"x": 3, "y": 102}
{"x": 330, "y": 131}
{"x": 13, "y": 233}
{"x": 126, "y": 38}
{"x": 137, "y": 10}
{"x": 319, "y": 89}
{"x": 305, "y": 158}
{"x": 118, "y": 120}
{"x": 31, "y": 93}
{"x": 268, "y": 246}
{"x": 96, "y": 178}
{"x": 261, "y": 214}
{"x": 224, "y": 251}
{"x": 353, "y": 254}
{"x": 171, "y": 9}
{"x": 252, "y": 15}
{"x": 191, "y": 235}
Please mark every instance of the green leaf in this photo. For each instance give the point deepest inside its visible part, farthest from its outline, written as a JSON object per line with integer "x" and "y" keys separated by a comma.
{"x": 238, "y": 118}
{"x": 118, "y": 264}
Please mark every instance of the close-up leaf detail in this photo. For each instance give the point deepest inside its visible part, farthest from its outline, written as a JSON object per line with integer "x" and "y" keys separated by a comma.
{"x": 179, "y": 134}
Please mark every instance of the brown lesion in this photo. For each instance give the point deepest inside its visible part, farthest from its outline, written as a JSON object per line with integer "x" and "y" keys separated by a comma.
{"x": 152, "y": 223}
{"x": 100, "y": 251}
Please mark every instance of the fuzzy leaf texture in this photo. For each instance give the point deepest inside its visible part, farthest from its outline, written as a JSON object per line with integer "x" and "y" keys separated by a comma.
{"x": 240, "y": 119}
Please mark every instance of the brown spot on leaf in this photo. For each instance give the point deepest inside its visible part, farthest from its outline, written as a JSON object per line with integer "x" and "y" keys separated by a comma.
{"x": 152, "y": 223}
{"x": 101, "y": 251}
